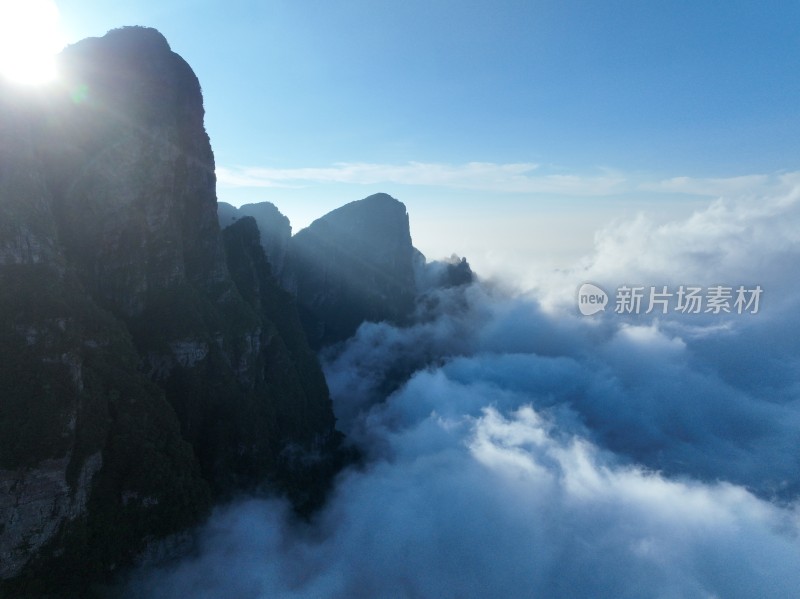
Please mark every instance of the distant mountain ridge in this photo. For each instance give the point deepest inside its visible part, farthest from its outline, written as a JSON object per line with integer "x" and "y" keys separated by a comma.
{"x": 354, "y": 264}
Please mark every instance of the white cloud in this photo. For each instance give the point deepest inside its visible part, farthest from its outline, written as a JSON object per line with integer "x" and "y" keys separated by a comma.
{"x": 514, "y": 453}
{"x": 485, "y": 176}
{"x": 499, "y": 507}
{"x": 732, "y": 241}
{"x": 503, "y": 178}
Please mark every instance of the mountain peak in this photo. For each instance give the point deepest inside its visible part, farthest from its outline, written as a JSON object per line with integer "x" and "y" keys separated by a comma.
{"x": 353, "y": 264}
{"x": 380, "y": 197}
{"x": 138, "y": 36}
{"x": 379, "y": 207}
{"x": 131, "y": 42}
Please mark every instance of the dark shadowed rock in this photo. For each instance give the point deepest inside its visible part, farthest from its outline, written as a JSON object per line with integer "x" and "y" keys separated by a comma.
{"x": 132, "y": 154}
{"x": 141, "y": 366}
{"x": 354, "y": 264}
{"x": 303, "y": 434}
{"x": 92, "y": 461}
{"x": 274, "y": 227}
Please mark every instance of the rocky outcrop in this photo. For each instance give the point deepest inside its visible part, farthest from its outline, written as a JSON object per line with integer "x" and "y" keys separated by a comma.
{"x": 441, "y": 274}
{"x": 142, "y": 370}
{"x": 134, "y": 171}
{"x": 300, "y": 423}
{"x": 354, "y": 264}
{"x": 274, "y": 227}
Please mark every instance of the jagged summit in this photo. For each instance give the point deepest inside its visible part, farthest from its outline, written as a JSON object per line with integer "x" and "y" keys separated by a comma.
{"x": 378, "y": 197}
{"x": 379, "y": 212}
{"x": 138, "y": 37}
{"x": 135, "y": 44}
{"x": 134, "y": 72}
{"x": 375, "y": 200}
{"x": 131, "y": 40}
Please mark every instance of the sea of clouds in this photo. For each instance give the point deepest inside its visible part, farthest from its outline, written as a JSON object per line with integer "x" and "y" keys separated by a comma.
{"x": 514, "y": 448}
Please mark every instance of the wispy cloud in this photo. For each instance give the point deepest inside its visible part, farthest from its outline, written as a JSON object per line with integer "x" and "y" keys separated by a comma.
{"x": 516, "y": 177}
{"x": 777, "y": 183}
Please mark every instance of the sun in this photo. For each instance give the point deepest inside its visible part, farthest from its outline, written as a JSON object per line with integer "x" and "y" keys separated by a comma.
{"x": 30, "y": 37}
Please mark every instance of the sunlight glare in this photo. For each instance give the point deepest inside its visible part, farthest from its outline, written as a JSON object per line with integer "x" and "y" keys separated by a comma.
{"x": 30, "y": 37}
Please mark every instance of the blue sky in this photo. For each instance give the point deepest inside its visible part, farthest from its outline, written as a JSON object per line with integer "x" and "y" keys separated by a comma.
{"x": 512, "y": 128}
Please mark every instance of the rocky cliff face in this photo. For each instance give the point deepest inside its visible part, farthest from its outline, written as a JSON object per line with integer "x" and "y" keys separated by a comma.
{"x": 145, "y": 370}
{"x": 92, "y": 463}
{"x": 300, "y": 423}
{"x": 133, "y": 161}
{"x": 353, "y": 264}
{"x": 274, "y": 227}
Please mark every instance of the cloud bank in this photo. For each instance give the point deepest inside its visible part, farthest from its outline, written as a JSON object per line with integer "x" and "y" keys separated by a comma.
{"x": 517, "y": 449}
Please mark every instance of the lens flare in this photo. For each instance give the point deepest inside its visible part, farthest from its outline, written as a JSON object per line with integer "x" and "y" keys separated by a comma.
{"x": 30, "y": 37}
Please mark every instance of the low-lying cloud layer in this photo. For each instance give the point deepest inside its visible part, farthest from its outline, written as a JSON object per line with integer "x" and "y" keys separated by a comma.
{"x": 516, "y": 450}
